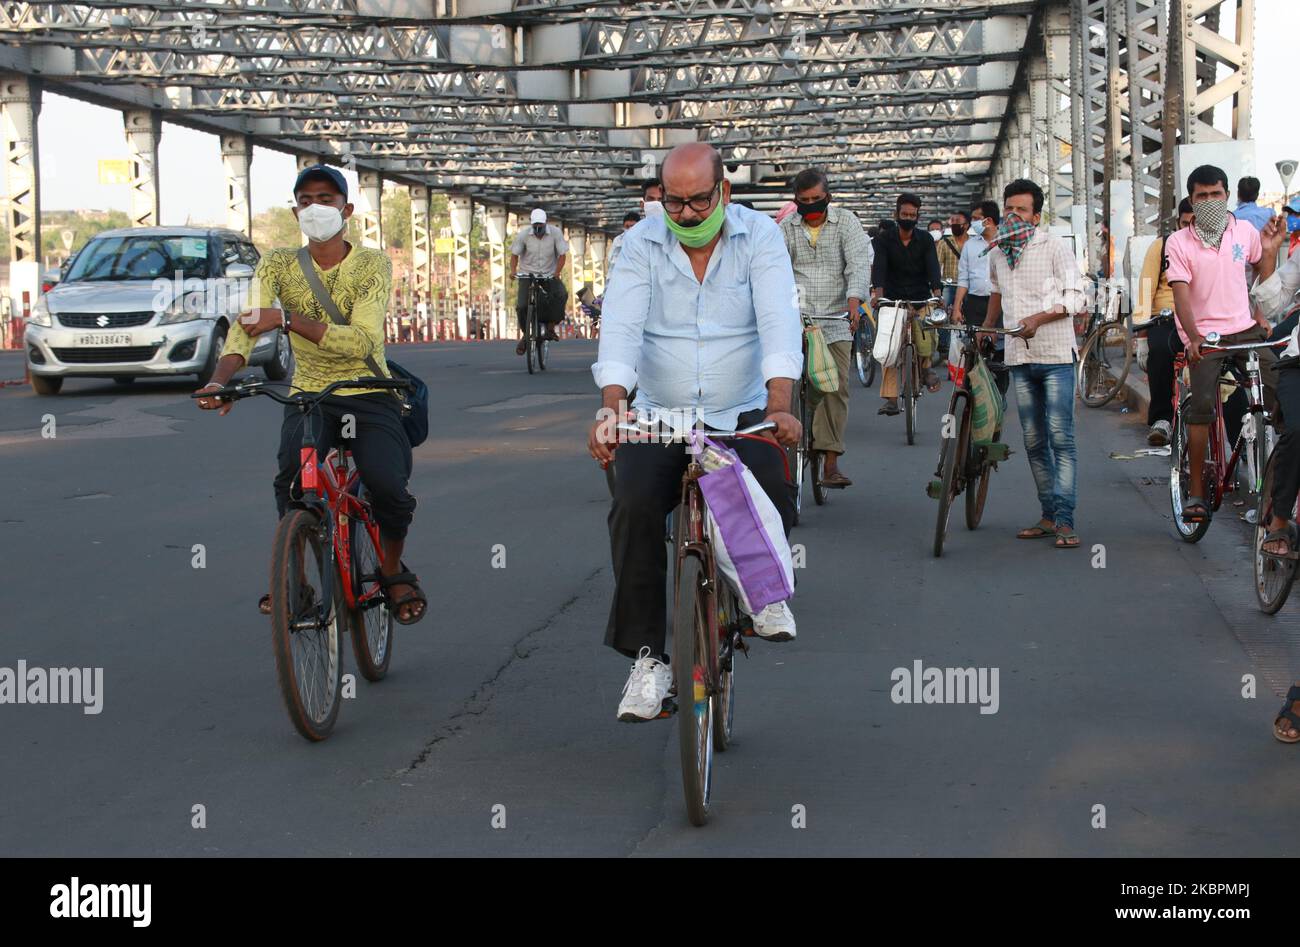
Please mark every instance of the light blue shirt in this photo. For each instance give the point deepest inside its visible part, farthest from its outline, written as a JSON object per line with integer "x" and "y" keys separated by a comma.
{"x": 973, "y": 268}
{"x": 702, "y": 349}
{"x": 1252, "y": 213}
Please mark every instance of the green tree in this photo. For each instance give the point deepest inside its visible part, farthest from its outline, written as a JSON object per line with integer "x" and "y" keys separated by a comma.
{"x": 276, "y": 228}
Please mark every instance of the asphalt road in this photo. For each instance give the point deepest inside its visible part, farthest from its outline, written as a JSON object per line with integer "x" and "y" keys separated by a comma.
{"x": 1118, "y": 686}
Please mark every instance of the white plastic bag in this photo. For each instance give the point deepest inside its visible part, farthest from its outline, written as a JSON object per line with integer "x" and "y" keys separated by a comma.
{"x": 956, "y": 370}
{"x": 891, "y": 323}
{"x": 775, "y": 531}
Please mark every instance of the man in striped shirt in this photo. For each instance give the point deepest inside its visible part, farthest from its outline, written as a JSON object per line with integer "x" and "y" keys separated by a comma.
{"x": 1036, "y": 286}
{"x": 831, "y": 256}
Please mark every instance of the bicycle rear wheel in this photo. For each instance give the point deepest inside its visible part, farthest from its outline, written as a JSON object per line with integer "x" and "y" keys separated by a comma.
{"x": 305, "y": 624}
{"x": 1104, "y": 362}
{"x": 1179, "y": 479}
{"x": 1273, "y": 576}
{"x": 370, "y": 620}
{"x": 730, "y": 620}
{"x": 864, "y": 365}
{"x": 977, "y": 492}
{"x": 694, "y": 668}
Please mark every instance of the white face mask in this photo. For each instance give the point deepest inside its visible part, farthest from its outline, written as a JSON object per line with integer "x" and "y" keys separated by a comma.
{"x": 319, "y": 222}
{"x": 654, "y": 209}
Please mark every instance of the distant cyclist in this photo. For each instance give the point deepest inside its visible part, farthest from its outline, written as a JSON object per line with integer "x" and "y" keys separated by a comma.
{"x": 542, "y": 249}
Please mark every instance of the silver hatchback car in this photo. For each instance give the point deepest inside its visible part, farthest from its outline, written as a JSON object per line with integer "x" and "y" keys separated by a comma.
{"x": 148, "y": 301}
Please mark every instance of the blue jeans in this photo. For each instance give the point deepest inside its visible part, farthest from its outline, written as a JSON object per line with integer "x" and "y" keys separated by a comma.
{"x": 1045, "y": 401}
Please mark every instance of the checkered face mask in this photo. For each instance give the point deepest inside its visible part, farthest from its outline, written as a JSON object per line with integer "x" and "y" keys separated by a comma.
{"x": 1211, "y": 221}
{"x": 1013, "y": 234}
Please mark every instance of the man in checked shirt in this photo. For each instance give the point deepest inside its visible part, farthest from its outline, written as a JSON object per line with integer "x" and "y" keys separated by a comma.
{"x": 832, "y": 258}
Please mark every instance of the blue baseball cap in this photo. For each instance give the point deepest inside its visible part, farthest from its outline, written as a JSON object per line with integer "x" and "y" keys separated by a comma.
{"x": 1294, "y": 206}
{"x": 321, "y": 172}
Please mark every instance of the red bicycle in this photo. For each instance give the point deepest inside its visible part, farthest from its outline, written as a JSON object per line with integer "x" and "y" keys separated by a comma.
{"x": 324, "y": 563}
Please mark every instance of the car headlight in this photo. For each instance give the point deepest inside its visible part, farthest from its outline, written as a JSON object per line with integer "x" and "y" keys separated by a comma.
{"x": 40, "y": 315}
{"x": 178, "y": 311}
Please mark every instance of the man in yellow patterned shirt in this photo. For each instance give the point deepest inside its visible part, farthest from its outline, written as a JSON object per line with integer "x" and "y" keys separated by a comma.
{"x": 359, "y": 280}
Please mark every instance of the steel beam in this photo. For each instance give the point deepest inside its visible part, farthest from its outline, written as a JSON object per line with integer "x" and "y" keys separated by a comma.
{"x": 143, "y": 128}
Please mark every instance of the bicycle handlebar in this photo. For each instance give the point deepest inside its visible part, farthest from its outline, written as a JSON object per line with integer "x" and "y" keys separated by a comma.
{"x": 916, "y": 303}
{"x": 627, "y": 428}
{"x": 967, "y": 327}
{"x": 249, "y": 388}
{"x": 1211, "y": 343}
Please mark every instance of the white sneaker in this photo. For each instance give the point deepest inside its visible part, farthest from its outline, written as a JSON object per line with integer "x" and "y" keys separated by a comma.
{"x": 775, "y": 623}
{"x": 647, "y": 686}
{"x": 1160, "y": 433}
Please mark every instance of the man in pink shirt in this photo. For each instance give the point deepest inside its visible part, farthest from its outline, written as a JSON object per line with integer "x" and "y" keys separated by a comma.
{"x": 1207, "y": 271}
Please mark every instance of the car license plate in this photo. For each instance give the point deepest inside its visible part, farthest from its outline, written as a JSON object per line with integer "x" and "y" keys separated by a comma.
{"x": 104, "y": 338}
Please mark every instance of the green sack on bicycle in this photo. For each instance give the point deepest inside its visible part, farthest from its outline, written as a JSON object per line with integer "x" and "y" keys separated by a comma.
{"x": 819, "y": 364}
{"x": 988, "y": 406}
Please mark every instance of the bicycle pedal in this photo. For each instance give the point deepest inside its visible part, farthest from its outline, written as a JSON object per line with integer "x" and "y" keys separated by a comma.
{"x": 669, "y": 709}
{"x": 934, "y": 489}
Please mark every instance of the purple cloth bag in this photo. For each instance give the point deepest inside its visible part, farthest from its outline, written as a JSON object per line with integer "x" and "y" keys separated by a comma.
{"x": 757, "y": 563}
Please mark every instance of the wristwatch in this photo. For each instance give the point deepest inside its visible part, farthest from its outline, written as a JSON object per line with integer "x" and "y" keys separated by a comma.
{"x": 284, "y": 320}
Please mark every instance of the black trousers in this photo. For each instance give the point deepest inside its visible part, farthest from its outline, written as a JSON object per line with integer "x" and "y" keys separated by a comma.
{"x": 1286, "y": 473}
{"x": 1163, "y": 344}
{"x": 553, "y": 303}
{"x": 647, "y": 487}
{"x": 379, "y": 446}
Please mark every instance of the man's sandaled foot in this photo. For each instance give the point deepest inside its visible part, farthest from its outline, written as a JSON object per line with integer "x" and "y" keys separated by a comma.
{"x": 889, "y": 408}
{"x": 1066, "y": 538}
{"x": 1040, "y": 530}
{"x": 931, "y": 380}
{"x": 521, "y": 347}
{"x": 1195, "y": 510}
{"x": 1286, "y": 725}
{"x": 1281, "y": 543}
{"x": 264, "y": 604}
{"x": 406, "y": 601}
{"x": 834, "y": 478}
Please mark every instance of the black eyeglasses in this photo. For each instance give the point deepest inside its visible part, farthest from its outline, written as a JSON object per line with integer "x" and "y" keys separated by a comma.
{"x": 675, "y": 205}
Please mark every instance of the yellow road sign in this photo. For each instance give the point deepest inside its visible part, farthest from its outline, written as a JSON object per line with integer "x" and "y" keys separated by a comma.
{"x": 114, "y": 171}
{"x": 444, "y": 245}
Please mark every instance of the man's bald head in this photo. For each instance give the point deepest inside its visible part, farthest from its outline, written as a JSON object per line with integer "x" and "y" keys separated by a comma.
{"x": 691, "y": 171}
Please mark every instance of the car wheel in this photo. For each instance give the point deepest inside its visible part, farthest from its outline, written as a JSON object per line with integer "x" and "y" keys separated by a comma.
{"x": 278, "y": 368}
{"x": 47, "y": 384}
{"x": 214, "y": 354}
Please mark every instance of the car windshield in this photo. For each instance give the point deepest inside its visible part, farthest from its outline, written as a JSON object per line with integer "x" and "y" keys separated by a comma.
{"x": 141, "y": 257}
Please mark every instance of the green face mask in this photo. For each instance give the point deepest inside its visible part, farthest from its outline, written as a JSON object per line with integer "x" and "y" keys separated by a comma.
{"x": 702, "y": 232}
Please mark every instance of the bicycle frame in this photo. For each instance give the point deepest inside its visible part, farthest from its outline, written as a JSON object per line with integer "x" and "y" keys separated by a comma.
{"x": 330, "y": 486}
{"x": 1219, "y": 431}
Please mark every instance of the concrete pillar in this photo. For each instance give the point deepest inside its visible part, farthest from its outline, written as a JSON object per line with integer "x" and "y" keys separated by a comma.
{"x": 497, "y": 217}
{"x": 421, "y": 245}
{"x": 143, "y": 128}
{"x": 237, "y": 158}
{"x": 20, "y": 105}
{"x": 598, "y": 242}
{"x": 462, "y": 222}
{"x": 371, "y": 217}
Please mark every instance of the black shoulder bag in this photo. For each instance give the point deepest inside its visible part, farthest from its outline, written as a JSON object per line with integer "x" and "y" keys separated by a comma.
{"x": 415, "y": 405}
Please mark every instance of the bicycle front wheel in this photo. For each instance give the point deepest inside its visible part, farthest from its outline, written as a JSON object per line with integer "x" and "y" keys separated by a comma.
{"x": 864, "y": 365}
{"x": 694, "y": 668}
{"x": 1273, "y": 576}
{"x": 730, "y": 621}
{"x": 530, "y": 334}
{"x": 908, "y": 370}
{"x": 370, "y": 619}
{"x": 977, "y": 492}
{"x": 952, "y": 460}
{"x": 305, "y": 624}
{"x": 812, "y": 458}
{"x": 1104, "y": 362}
{"x": 1180, "y": 480}
{"x": 794, "y": 456}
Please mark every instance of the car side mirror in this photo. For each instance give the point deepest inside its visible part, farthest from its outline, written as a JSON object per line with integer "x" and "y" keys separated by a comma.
{"x": 239, "y": 271}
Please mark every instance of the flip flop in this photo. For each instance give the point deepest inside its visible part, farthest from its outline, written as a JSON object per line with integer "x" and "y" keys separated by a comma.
{"x": 1286, "y": 713}
{"x": 1063, "y": 537}
{"x": 1286, "y": 534}
{"x": 1037, "y": 531}
{"x": 1190, "y": 517}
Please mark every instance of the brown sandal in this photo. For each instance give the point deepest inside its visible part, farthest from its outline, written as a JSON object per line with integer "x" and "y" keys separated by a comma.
{"x": 1287, "y": 713}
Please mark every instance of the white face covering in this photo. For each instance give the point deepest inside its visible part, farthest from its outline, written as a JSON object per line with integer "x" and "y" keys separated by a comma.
{"x": 319, "y": 222}
{"x": 654, "y": 209}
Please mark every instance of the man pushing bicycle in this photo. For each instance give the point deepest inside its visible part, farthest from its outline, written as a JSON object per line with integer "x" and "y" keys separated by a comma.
{"x": 701, "y": 318}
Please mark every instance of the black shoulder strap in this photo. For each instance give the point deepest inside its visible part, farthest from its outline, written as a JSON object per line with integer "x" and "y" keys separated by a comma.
{"x": 327, "y": 303}
{"x": 948, "y": 240}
